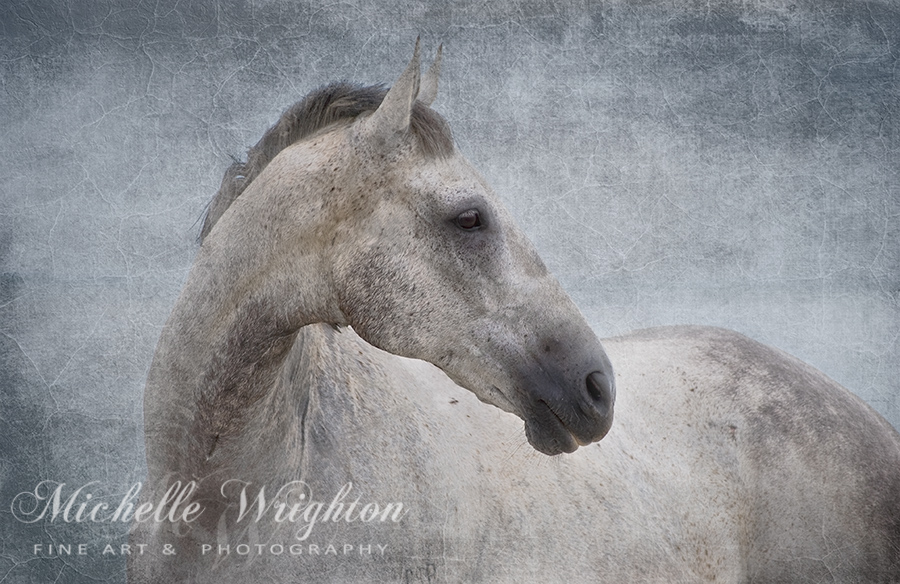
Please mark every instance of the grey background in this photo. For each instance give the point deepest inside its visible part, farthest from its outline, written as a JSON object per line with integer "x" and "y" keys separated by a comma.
{"x": 723, "y": 163}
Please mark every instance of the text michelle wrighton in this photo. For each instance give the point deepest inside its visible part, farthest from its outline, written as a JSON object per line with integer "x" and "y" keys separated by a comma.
{"x": 292, "y": 505}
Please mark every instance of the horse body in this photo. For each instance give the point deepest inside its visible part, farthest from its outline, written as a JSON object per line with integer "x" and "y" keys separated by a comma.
{"x": 699, "y": 481}
{"x": 728, "y": 461}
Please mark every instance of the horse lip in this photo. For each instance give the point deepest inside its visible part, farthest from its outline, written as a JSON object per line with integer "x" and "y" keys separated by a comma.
{"x": 555, "y": 429}
{"x": 550, "y": 434}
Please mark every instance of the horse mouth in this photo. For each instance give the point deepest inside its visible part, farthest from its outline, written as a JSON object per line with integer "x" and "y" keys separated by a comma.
{"x": 549, "y": 434}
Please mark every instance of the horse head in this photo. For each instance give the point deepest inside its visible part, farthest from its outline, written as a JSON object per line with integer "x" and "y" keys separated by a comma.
{"x": 417, "y": 254}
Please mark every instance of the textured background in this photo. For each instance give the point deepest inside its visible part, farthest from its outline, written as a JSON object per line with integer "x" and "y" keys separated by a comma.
{"x": 723, "y": 163}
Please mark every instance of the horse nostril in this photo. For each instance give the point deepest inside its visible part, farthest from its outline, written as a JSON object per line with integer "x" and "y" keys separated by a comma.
{"x": 600, "y": 389}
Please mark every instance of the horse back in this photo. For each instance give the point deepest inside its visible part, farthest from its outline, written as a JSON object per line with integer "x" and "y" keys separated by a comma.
{"x": 816, "y": 469}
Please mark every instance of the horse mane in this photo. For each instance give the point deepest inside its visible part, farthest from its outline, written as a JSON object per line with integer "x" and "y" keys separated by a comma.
{"x": 323, "y": 107}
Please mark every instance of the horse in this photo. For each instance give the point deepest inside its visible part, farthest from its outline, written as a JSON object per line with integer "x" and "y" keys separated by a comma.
{"x": 340, "y": 391}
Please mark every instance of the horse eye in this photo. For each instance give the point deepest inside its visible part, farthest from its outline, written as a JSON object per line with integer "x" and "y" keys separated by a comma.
{"x": 469, "y": 220}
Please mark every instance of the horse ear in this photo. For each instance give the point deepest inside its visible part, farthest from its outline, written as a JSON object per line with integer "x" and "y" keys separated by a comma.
{"x": 392, "y": 116}
{"x": 428, "y": 92}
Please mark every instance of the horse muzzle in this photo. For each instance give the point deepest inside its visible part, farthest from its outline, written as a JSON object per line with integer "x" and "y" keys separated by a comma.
{"x": 568, "y": 411}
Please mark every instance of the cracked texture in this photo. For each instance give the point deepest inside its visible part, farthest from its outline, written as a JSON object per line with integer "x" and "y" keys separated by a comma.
{"x": 731, "y": 164}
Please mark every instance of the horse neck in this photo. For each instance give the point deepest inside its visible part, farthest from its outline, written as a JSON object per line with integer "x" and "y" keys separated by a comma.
{"x": 252, "y": 287}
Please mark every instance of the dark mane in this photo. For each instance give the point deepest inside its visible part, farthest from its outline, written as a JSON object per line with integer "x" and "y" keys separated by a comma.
{"x": 318, "y": 110}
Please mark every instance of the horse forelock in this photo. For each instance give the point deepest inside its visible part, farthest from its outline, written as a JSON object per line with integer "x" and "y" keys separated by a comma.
{"x": 320, "y": 109}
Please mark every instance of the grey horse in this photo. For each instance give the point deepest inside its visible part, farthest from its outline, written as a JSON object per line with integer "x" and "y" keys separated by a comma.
{"x": 314, "y": 409}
